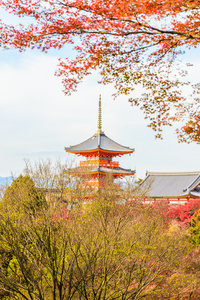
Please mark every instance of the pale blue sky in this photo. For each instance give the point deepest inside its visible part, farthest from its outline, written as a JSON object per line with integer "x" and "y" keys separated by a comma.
{"x": 37, "y": 120}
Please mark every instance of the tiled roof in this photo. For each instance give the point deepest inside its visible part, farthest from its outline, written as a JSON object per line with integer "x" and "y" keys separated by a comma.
{"x": 108, "y": 170}
{"x": 99, "y": 141}
{"x": 172, "y": 184}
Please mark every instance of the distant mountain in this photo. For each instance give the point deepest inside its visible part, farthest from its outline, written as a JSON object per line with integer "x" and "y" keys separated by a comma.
{"x": 6, "y": 180}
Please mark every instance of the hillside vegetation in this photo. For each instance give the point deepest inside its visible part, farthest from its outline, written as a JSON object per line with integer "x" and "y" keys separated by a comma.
{"x": 100, "y": 249}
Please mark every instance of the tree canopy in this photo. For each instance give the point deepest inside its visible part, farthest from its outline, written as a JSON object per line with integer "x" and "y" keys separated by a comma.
{"x": 132, "y": 43}
{"x": 104, "y": 249}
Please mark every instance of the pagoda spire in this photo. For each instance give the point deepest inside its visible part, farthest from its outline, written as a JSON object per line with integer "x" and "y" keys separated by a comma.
{"x": 99, "y": 125}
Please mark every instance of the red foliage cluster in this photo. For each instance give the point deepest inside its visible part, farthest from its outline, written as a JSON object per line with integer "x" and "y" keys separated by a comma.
{"x": 181, "y": 213}
{"x": 191, "y": 131}
{"x": 62, "y": 215}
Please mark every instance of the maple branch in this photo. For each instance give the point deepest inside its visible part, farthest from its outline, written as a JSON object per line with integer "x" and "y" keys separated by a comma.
{"x": 155, "y": 29}
{"x": 165, "y": 53}
{"x": 142, "y": 48}
{"x": 137, "y": 22}
{"x": 82, "y": 31}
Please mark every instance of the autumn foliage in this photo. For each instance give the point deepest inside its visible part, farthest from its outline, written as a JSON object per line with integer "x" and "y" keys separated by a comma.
{"x": 131, "y": 43}
{"x": 181, "y": 214}
{"x": 101, "y": 249}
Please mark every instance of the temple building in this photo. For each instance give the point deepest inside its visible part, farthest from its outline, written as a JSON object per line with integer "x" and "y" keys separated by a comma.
{"x": 99, "y": 151}
{"x": 174, "y": 187}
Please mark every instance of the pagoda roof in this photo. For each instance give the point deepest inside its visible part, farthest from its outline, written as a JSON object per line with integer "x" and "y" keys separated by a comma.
{"x": 99, "y": 169}
{"x": 99, "y": 142}
{"x": 163, "y": 184}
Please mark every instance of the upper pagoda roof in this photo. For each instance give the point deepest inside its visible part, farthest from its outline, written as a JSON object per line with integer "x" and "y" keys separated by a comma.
{"x": 99, "y": 142}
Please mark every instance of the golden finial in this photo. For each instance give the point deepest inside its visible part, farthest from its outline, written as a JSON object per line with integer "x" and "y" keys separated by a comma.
{"x": 99, "y": 127}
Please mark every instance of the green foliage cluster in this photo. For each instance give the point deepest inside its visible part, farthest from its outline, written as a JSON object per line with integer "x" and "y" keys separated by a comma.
{"x": 22, "y": 196}
{"x": 195, "y": 229}
{"x": 104, "y": 249}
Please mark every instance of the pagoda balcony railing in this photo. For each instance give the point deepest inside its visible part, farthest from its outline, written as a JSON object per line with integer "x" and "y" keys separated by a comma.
{"x": 100, "y": 163}
{"x": 96, "y": 185}
{"x": 89, "y": 185}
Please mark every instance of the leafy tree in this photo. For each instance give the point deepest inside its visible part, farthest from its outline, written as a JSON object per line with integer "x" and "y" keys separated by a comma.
{"x": 130, "y": 254}
{"x": 38, "y": 264}
{"x": 22, "y": 196}
{"x": 131, "y": 43}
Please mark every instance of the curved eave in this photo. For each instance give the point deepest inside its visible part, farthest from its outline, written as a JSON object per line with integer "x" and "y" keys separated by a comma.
{"x": 171, "y": 198}
{"x": 112, "y": 171}
{"x": 99, "y": 150}
{"x": 101, "y": 172}
{"x": 195, "y": 194}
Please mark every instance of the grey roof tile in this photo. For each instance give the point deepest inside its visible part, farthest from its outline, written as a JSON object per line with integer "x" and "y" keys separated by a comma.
{"x": 172, "y": 184}
{"x": 99, "y": 141}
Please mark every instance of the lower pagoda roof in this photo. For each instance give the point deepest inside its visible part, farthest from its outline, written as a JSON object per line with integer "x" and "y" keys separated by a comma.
{"x": 99, "y": 169}
{"x": 99, "y": 142}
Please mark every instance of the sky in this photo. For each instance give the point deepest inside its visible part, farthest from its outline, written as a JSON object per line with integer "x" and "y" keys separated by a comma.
{"x": 37, "y": 120}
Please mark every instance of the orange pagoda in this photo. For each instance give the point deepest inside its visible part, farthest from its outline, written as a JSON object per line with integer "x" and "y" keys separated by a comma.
{"x": 99, "y": 151}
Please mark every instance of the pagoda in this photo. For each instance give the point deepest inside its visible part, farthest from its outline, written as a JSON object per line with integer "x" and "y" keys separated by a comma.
{"x": 99, "y": 151}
